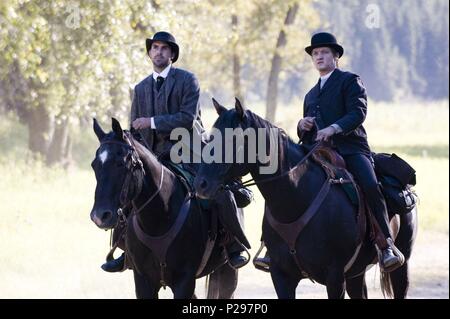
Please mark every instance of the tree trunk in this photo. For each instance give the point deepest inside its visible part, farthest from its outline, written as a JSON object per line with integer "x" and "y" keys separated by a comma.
{"x": 57, "y": 150}
{"x": 272, "y": 85}
{"x": 68, "y": 153}
{"x": 40, "y": 129}
{"x": 236, "y": 64}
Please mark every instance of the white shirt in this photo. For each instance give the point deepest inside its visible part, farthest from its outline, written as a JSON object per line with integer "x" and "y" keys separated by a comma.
{"x": 164, "y": 73}
{"x": 324, "y": 78}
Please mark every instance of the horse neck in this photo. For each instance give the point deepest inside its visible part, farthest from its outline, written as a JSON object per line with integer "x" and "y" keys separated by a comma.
{"x": 288, "y": 195}
{"x": 287, "y": 154}
{"x": 159, "y": 214}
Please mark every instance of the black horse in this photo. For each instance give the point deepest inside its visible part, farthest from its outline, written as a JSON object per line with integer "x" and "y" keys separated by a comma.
{"x": 325, "y": 250}
{"x": 166, "y": 233}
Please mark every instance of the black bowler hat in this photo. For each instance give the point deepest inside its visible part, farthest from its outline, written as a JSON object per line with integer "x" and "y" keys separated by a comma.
{"x": 167, "y": 38}
{"x": 324, "y": 39}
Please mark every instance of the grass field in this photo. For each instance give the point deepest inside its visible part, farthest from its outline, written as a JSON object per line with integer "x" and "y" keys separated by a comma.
{"x": 49, "y": 248}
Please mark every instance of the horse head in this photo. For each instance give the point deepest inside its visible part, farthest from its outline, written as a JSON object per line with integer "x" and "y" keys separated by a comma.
{"x": 228, "y": 148}
{"x": 118, "y": 171}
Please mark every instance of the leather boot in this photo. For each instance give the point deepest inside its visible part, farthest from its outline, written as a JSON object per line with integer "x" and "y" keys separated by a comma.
{"x": 115, "y": 265}
{"x": 390, "y": 261}
{"x": 237, "y": 260}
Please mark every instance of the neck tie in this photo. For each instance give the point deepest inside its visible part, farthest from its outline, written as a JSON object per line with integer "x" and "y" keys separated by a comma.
{"x": 320, "y": 84}
{"x": 159, "y": 82}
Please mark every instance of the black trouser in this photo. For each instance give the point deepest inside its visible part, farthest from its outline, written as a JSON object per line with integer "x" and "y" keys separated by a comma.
{"x": 360, "y": 166}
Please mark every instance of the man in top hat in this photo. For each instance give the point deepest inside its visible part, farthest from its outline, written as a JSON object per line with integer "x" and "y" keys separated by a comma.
{"x": 337, "y": 106}
{"x": 166, "y": 100}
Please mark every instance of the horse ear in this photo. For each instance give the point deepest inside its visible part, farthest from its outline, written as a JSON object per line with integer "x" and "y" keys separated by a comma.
{"x": 117, "y": 128}
{"x": 98, "y": 130}
{"x": 219, "y": 108}
{"x": 239, "y": 108}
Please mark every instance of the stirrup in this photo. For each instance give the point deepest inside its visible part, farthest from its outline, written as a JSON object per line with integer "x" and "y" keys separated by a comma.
{"x": 255, "y": 259}
{"x": 260, "y": 266}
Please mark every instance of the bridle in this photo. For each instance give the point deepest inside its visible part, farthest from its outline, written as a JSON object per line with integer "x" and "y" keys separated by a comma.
{"x": 252, "y": 181}
{"x": 135, "y": 167}
{"x": 135, "y": 173}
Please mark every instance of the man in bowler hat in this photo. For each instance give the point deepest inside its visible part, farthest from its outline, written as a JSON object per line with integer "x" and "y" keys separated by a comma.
{"x": 168, "y": 99}
{"x": 337, "y": 106}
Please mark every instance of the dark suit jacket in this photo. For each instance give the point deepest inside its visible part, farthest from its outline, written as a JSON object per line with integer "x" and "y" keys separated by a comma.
{"x": 341, "y": 101}
{"x": 181, "y": 107}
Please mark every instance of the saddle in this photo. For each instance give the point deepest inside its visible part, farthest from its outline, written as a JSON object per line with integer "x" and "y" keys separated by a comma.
{"x": 334, "y": 166}
{"x": 396, "y": 177}
{"x": 399, "y": 199}
{"x": 327, "y": 156}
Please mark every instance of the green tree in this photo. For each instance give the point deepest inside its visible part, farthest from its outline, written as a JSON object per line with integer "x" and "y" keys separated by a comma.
{"x": 64, "y": 63}
{"x": 405, "y": 54}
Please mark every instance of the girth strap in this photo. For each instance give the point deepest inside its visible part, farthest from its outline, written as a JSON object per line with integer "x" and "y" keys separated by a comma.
{"x": 159, "y": 245}
{"x": 210, "y": 241}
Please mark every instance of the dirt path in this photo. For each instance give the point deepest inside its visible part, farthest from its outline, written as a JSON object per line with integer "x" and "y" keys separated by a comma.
{"x": 429, "y": 275}
{"x": 74, "y": 272}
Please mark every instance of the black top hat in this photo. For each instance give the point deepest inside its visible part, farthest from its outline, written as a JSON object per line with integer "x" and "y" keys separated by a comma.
{"x": 164, "y": 37}
{"x": 324, "y": 39}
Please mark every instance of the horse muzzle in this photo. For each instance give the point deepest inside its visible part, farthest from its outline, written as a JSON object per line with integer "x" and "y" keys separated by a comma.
{"x": 104, "y": 218}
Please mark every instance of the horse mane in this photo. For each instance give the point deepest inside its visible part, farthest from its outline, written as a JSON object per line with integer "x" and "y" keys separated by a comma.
{"x": 262, "y": 123}
{"x": 291, "y": 151}
{"x": 146, "y": 156}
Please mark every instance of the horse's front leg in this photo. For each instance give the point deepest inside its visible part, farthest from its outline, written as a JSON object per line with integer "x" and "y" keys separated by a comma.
{"x": 284, "y": 284}
{"x": 184, "y": 288}
{"x": 335, "y": 282}
{"x": 144, "y": 288}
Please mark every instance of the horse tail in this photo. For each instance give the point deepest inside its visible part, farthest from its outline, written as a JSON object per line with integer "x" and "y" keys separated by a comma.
{"x": 207, "y": 285}
{"x": 385, "y": 280}
{"x": 212, "y": 285}
{"x": 386, "y": 284}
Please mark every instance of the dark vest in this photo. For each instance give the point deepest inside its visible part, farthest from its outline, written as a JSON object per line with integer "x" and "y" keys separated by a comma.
{"x": 161, "y": 143}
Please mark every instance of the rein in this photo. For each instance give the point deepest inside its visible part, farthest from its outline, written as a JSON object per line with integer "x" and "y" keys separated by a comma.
{"x": 252, "y": 181}
{"x": 136, "y": 163}
{"x": 158, "y": 244}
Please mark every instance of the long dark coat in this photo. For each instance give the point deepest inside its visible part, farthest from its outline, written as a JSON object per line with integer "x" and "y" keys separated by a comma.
{"x": 342, "y": 100}
{"x": 180, "y": 108}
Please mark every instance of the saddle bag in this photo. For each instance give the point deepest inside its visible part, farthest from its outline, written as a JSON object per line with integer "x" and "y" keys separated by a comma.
{"x": 394, "y": 166}
{"x": 397, "y": 178}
